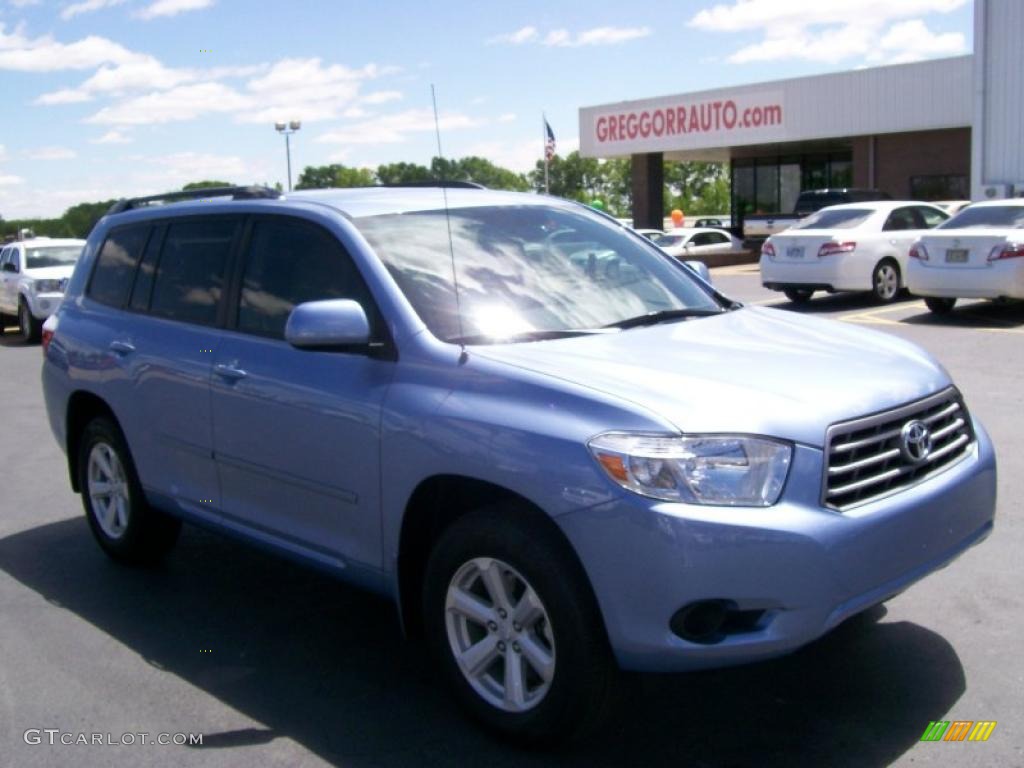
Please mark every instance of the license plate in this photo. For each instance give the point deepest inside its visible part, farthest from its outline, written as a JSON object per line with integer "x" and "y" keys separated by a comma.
{"x": 795, "y": 252}
{"x": 956, "y": 255}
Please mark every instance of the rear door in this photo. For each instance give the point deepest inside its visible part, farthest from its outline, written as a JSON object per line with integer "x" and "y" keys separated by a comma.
{"x": 5, "y": 279}
{"x": 901, "y": 228}
{"x": 166, "y": 346}
{"x": 297, "y": 432}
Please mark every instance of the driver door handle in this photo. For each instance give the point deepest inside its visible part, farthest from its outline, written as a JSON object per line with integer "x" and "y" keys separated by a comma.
{"x": 229, "y": 372}
{"x": 122, "y": 348}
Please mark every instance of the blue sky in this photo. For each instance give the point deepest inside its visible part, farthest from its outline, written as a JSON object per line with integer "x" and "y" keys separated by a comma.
{"x": 103, "y": 98}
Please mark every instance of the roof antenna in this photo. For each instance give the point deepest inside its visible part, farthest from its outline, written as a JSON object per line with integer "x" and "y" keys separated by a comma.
{"x": 448, "y": 222}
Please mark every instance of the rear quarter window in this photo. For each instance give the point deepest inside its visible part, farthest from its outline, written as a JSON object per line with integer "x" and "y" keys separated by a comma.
{"x": 114, "y": 272}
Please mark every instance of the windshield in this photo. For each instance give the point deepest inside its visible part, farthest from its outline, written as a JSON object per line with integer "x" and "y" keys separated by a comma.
{"x": 527, "y": 270}
{"x": 844, "y": 218}
{"x": 52, "y": 256}
{"x": 667, "y": 241}
{"x": 1000, "y": 216}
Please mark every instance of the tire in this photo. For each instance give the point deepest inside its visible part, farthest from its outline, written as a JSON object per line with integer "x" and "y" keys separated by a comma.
{"x": 799, "y": 295}
{"x": 125, "y": 526}
{"x": 28, "y": 327}
{"x": 561, "y": 695}
{"x": 939, "y": 305}
{"x": 886, "y": 281}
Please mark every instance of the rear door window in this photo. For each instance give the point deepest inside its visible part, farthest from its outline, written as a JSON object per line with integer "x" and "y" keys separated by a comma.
{"x": 189, "y": 281}
{"x": 901, "y": 219}
{"x": 931, "y": 217}
{"x": 114, "y": 272}
{"x": 289, "y": 262}
{"x": 843, "y": 218}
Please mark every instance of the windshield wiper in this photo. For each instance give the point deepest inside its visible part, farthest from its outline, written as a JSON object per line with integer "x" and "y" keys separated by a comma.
{"x": 483, "y": 338}
{"x": 664, "y": 316}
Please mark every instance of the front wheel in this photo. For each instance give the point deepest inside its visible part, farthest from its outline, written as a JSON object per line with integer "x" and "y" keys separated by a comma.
{"x": 885, "y": 281}
{"x": 939, "y": 305}
{"x": 28, "y": 326}
{"x": 126, "y": 527}
{"x": 799, "y": 295}
{"x": 515, "y": 631}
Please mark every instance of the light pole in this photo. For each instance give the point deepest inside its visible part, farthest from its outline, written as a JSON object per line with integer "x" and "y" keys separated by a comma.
{"x": 288, "y": 129}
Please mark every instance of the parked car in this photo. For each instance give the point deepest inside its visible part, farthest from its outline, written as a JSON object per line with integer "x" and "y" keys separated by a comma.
{"x": 952, "y": 207}
{"x": 650, "y": 234}
{"x": 760, "y": 226}
{"x": 715, "y": 223}
{"x": 978, "y": 254}
{"x": 693, "y": 242}
{"x": 558, "y": 466}
{"x": 33, "y": 274}
{"x": 856, "y": 247}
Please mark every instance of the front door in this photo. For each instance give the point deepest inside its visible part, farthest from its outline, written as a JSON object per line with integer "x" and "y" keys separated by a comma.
{"x": 297, "y": 432}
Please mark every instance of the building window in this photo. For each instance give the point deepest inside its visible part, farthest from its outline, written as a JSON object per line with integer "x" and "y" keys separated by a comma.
{"x": 939, "y": 187}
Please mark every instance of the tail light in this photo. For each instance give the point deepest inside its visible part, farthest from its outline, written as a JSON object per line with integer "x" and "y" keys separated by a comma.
{"x": 833, "y": 248}
{"x": 1008, "y": 251}
{"x": 49, "y": 328}
{"x": 918, "y": 251}
{"x": 768, "y": 250}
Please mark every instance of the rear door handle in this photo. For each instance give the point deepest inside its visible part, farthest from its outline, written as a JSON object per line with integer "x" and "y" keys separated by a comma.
{"x": 122, "y": 348}
{"x": 229, "y": 372}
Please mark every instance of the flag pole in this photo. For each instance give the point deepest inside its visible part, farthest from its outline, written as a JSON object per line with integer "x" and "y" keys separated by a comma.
{"x": 544, "y": 145}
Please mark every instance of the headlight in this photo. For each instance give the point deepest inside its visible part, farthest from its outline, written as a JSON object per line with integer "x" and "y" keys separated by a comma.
{"x": 47, "y": 286}
{"x": 730, "y": 470}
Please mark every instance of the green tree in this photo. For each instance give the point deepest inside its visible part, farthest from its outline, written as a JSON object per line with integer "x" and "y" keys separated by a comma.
{"x": 587, "y": 179}
{"x": 696, "y": 188}
{"x": 335, "y": 175}
{"x": 206, "y": 185}
{"x": 402, "y": 173}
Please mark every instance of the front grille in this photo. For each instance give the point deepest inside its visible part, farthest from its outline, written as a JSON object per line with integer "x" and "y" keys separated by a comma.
{"x": 865, "y": 458}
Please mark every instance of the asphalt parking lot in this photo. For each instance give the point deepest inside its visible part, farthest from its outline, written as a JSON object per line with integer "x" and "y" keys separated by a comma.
{"x": 278, "y": 665}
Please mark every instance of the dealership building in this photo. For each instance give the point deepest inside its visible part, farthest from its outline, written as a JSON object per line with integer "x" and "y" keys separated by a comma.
{"x": 945, "y": 129}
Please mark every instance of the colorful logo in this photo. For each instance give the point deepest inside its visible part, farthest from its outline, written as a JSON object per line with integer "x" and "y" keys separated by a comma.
{"x": 959, "y": 730}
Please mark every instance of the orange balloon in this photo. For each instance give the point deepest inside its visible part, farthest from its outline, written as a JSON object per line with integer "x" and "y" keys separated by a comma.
{"x": 677, "y": 217}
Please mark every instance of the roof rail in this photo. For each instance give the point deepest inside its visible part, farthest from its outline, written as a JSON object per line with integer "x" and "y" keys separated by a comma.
{"x": 447, "y": 183}
{"x": 235, "y": 193}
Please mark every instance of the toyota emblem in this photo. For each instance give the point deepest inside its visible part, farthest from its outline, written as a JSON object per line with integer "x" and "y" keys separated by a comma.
{"x": 915, "y": 441}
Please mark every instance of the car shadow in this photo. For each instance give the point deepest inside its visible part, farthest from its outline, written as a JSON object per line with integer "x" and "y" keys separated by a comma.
{"x": 839, "y": 302}
{"x": 975, "y": 314}
{"x": 323, "y": 664}
{"x": 10, "y": 338}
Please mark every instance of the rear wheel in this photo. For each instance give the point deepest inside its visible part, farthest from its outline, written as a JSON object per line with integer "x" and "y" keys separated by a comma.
{"x": 515, "y": 631}
{"x": 126, "y": 527}
{"x": 939, "y": 305}
{"x": 885, "y": 281}
{"x": 799, "y": 295}
{"x": 28, "y": 326}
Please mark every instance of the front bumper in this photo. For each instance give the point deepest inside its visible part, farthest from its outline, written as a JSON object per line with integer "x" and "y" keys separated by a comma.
{"x": 805, "y": 567}
{"x": 42, "y": 305}
{"x": 832, "y": 273}
{"x": 995, "y": 280}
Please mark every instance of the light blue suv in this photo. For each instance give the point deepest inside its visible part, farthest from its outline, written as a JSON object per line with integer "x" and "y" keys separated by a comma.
{"x": 559, "y": 451}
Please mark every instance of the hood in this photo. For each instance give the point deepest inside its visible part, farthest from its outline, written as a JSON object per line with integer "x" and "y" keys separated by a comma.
{"x": 49, "y": 273}
{"x": 753, "y": 370}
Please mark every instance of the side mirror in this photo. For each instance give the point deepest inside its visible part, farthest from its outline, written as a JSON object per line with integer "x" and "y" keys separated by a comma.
{"x": 701, "y": 269}
{"x": 328, "y": 324}
{"x": 10, "y": 266}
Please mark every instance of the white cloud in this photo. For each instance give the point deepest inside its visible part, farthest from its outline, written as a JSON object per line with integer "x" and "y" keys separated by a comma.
{"x": 520, "y": 156}
{"x": 113, "y": 136}
{"x": 172, "y": 8}
{"x": 51, "y": 153}
{"x": 393, "y": 128}
{"x": 64, "y": 96}
{"x": 7, "y": 180}
{"x": 44, "y": 54}
{"x": 563, "y": 38}
{"x": 24, "y": 3}
{"x": 87, "y": 6}
{"x": 3, "y": 152}
{"x": 185, "y": 102}
{"x": 174, "y": 170}
{"x": 381, "y": 97}
{"x": 799, "y": 14}
{"x": 508, "y": 117}
{"x": 834, "y": 31}
{"x": 520, "y": 36}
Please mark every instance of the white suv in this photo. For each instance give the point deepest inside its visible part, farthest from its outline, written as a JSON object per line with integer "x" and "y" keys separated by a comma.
{"x": 33, "y": 275}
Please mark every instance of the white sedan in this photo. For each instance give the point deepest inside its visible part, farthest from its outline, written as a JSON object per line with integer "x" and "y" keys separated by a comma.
{"x": 694, "y": 242}
{"x": 977, "y": 254}
{"x": 850, "y": 247}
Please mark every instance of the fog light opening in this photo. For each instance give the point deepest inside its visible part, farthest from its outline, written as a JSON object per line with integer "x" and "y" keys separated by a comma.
{"x": 711, "y": 621}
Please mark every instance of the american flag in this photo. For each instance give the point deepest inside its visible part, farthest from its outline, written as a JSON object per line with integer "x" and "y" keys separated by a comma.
{"x": 549, "y": 141}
